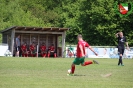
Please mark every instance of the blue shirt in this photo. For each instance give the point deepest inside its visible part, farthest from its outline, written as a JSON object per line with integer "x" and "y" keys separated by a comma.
{"x": 17, "y": 42}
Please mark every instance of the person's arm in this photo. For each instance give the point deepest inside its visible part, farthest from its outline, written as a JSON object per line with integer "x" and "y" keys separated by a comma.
{"x": 30, "y": 48}
{"x": 92, "y": 50}
{"x": 81, "y": 49}
{"x": 117, "y": 34}
{"x": 127, "y": 46}
{"x": 22, "y": 48}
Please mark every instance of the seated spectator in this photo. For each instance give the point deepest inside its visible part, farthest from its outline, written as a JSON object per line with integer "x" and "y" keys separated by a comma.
{"x": 32, "y": 49}
{"x": 24, "y": 50}
{"x": 51, "y": 49}
{"x": 43, "y": 50}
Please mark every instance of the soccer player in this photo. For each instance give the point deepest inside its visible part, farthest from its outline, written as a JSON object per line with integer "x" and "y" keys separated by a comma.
{"x": 32, "y": 50}
{"x": 51, "y": 49}
{"x": 24, "y": 50}
{"x": 80, "y": 59}
{"x": 121, "y": 41}
{"x": 43, "y": 50}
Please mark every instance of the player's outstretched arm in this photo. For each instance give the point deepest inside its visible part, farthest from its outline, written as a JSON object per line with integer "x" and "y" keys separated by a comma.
{"x": 127, "y": 46}
{"x": 93, "y": 50}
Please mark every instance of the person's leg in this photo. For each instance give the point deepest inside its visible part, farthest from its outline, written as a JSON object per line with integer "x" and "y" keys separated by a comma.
{"x": 26, "y": 54}
{"x": 48, "y": 53}
{"x": 89, "y": 62}
{"x": 41, "y": 54}
{"x": 72, "y": 68}
{"x": 23, "y": 55}
{"x": 17, "y": 51}
{"x": 34, "y": 53}
{"x": 31, "y": 54}
{"x": 120, "y": 55}
{"x": 75, "y": 62}
{"x": 55, "y": 54}
{"x": 120, "y": 59}
{"x": 44, "y": 54}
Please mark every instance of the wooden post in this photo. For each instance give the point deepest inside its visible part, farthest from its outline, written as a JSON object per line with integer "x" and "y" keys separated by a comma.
{"x": 12, "y": 40}
{"x": 47, "y": 41}
{"x": 30, "y": 39}
{"x": 57, "y": 39}
{"x": 21, "y": 39}
{"x": 38, "y": 44}
{"x": 63, "y": 41}
{"x": 37, "y": 51}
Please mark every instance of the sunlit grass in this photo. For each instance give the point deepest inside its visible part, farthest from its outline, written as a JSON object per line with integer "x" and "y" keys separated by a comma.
{"x": 52, "y": 73}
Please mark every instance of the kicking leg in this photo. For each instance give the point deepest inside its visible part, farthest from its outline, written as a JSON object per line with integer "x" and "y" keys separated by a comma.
{"x": 89, "y": 62}
{"x": 48, "y": 54}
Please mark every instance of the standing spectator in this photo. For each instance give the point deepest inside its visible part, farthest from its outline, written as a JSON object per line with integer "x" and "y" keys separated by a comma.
{"x": 51, "y": 49}
{"x": 121, "y": 41}
{"x": 43, "y": 50}
{"x": 17, "y": 42}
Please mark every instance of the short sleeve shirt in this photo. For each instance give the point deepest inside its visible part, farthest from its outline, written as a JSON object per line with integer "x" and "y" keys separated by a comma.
{"x": 23, "y": 47}
{"x": 121, "y": 41}
{"x": 86, "y": 44}
{"x": 80, "y": 43}
{"x": 51, "y": 48}
{"x": 17, "y": 42}
{"x": 43, "y": 48}
{"x": 32, "y": 47}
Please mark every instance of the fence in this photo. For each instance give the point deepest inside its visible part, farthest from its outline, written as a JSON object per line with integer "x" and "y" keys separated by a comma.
{"x": 103, "y": 52}
{"x": 3, "y": 49}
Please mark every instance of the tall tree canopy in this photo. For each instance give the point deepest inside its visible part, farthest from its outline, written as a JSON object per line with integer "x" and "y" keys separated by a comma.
{"x": 96, "y": 20}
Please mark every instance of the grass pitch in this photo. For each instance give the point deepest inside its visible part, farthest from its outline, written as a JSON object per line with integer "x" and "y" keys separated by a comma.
{"x": 52, "y": 73}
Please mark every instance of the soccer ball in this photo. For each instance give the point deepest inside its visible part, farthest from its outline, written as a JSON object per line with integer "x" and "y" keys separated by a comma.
{"x": 69, "y": 71}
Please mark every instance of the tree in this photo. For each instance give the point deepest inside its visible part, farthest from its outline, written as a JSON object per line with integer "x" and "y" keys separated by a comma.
{"x": 96, "y": 20}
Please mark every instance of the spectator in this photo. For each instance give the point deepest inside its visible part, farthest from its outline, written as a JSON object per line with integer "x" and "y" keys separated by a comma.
{"x": 43, "y": 50}
{"x": 51, "y": 49}
{"x": 24, "y": 50}
{"x": 32, "y": 49}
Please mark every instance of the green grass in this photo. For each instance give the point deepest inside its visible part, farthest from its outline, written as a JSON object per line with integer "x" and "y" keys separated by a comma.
{"x": 51, "y": 73}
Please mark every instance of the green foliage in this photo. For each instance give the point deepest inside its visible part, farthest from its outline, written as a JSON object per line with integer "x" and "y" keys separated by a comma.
{"x": 96, "y": 20}
{"x": 14, "y": 15}
{"x": 70, "y": 19}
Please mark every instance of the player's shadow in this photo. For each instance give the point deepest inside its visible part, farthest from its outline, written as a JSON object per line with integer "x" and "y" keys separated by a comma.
{"x": 78, "y": 75}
